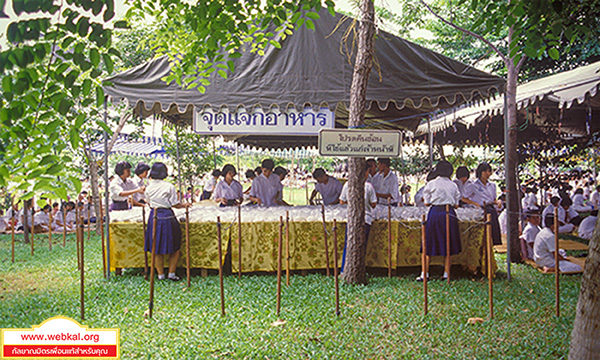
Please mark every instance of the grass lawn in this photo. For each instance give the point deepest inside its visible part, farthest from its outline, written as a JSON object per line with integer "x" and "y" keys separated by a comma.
{"x": 382, "y": 320}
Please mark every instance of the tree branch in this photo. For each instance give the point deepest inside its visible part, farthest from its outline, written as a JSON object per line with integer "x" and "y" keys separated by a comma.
{"x": 468, "y": 32}
{"x": 117, "y": 131}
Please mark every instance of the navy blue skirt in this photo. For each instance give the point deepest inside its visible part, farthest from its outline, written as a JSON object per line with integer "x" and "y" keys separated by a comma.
{"x": 119, "y": 205}
{"x": 435, "y": 232}
{"x": 168, "y": 232}
{"x": 496, "y": 236}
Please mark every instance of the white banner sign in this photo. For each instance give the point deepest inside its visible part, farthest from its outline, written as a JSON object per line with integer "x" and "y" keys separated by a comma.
{"x": 274, "y": 122}
{"x": 367, "y": 143}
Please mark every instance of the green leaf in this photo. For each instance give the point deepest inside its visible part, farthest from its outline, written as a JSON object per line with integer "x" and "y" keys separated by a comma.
{"x": 108, "y": 61}
{"x": 83, "y": 26}
{"x": 275, "y": 43}
{"x": 94, "y": 57}
{"x": 54, "y": 169}
{"x": 230, "y": 65}
{"x": 222, "y": 73}
{"x": 61, "y": 192}
{"x": 64, "y": 106}
{"x": 312, "y": 15}
{"x": 76, "y": 183}
{"x": 104, "y": 127}
{"x": 553, "y": 53}
{"x": 47, "y": 160}
{"x": 121, "y": 24}
{"x": 74, "y": 137}
{"x": 99, "y": 96}
{"x": 310, "y": 25}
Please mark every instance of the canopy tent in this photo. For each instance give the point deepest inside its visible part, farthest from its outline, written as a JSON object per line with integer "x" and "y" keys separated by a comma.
{"x": 555, "y": 110}
{"x": 139, "y": 146}
{"x": 313, "y": 69}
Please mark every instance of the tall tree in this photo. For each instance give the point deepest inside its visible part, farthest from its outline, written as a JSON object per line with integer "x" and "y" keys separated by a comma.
{"x": 355, "y": 267}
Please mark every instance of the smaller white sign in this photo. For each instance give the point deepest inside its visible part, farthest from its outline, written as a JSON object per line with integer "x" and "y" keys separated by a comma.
{"x": 359, "y": 143}
{"x": 273, "y": 122}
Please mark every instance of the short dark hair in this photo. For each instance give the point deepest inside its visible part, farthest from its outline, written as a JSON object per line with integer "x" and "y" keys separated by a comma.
{"x": 268, "y": 164}
{"x": 384, "y": 160}
{"x": 462, "y": 171}
{"x": 216, "y": 173}
{"x": 554, "y": 200}
{"x": 227, "y": 168}
{"x": 250, "y": 174}
{"x": 159, "y": 171}
{"x": 258, "y": 170}
{"x": 481, "y": 168}
{"x": 141, "y": 168}
{"x": 47, "y": 207}
{"x": 549, "y": 221}
{"x": 566, "y": 202}
{"x": 579, "y": 191}
{"x": 444, "y": 168}
{"x": 432, "y": 175}
{"x": 318, "y": 173}
{"x": 371, "y": 161}
{"x": 280, "y": 171}
{"x": 121, "y": 167}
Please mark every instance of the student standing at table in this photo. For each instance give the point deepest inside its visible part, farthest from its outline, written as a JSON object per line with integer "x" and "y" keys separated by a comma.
{"x": 370, "y": 203}
{"x": 281, "y": 173}
{"x": 329, "y": 187}
{"x": 265, "y": 185}
{"x": 162, "y": 197}
{"x": 141, "y": 174}
{"x": 121, "y": 187}
{"x": 482, "y": 194}
{"x": 210, "y": 184}
{"x": 228, "y": 192}
{"x": 386, "y": 183}
{"x": 371, "y": 170}
{"x": 438, "y": 193}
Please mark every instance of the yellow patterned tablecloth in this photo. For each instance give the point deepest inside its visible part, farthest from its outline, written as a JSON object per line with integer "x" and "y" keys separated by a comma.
{"x": 306, "y": 245}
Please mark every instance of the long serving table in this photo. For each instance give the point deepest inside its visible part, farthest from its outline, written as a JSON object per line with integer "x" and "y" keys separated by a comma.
{"x": 307, "y": 248}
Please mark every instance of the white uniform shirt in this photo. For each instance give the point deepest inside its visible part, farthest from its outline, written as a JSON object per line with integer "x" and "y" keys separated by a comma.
{"x": 481, "y": 194}
{"x": 419, "y": 197}
{"x": 227, "y": 191}
{"x": 161, "y": 194}
{"x": 578, "y": 204}
{"x": 265, "y": 188}
{"x": 370, "y": 197}
{"x": 461, "y": 186}
{"x": 441, "y": 191}
{"x": 387, "y": 185}
{"x": 549, "y": 210}
{"x": 138, "y": 182}
{"x": 210, "y": 184}
{"x": 543, "y": 248}
{"x": 529, "y": 201}
{"x": 330, "y": 191}
{"x": 586, "y": 228}
{"x": 41, "y": 218}
{"x": 594, "y": 199}
{"x": 118, "y": 186}
{"x": 529, "y": 234}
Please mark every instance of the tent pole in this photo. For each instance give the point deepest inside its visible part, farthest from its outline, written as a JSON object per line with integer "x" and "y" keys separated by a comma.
{"x": 430, "y": 143}
{"x": 237, "y": 160}
{"x": 508, "y": 232}
{"x": 214, "y": 154}
{"x": 106, "y": 195}
{"x": 178, "y": 163}
{"x": 402, "y": 159}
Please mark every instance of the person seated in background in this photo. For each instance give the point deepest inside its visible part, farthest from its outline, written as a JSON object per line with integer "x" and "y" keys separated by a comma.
{"x": 55, "y": 208}
{"x": 595, "y": 198}
{"x": 30, "y": 214}
{"x": 405, "y": 195}
{"x": 578, "y": 202}
{"x": 529, "y": 201}
{"x": 41, "y": 221}
{"x": 567, "y": 217}
{"x": 587, "y": 226}
{"x": 281, "y": 174}
{"x": 265, "y": 186}
{"x": 250, "y": 175}
{"x": 13, "y": 216}
{"x": 544, "y": 248}
{"x": 68, "y": 221}
{"x": 532, "y": 228}
{"x": 3, "y": 222}
{"x": 329, "y": 188}
{"x": 554, "y": 201}
{"x": 462, "y": 181}
{"x": 210, "y": 184}
{"x": 228, "y": 192}
{"x": 385, "y": 183}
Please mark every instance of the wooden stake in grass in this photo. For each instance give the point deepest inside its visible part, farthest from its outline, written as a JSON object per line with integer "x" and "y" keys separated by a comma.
{"x": 77, "y": 234}
{"x": 389, "y": 239}
{"x": 239, "y": 241}
{"x": 220, "y": 265}
{"x": 64, "y": 221}
{"x": 89, "y": 220}
{"x": 151, "y": 301}
{"x": 187, "y": 245}
{"x": 145, "y": 252}
{"x": 490, "y": 253}
{"x": 32, "y": 233}
{"x": 12, "y": 233}
{"x": 279, "y": 247}
{"x": 556, "y": 263}
{"x": 424, "y": 262}
{"x": 448, "y": 241}
{"x": 335, "y": 270}
{"x": 80, "y": 236}
{"x": 325, "y": 239}
{"x": 100, "y": 222}
{"x": 287, "y": 248}
{"x": 50, "y": 226}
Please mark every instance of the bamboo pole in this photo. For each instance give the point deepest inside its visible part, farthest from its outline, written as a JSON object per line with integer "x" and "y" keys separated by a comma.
{"x": 77, "y": 235}
{"x": 279, "y": 250}
{"x": 489, "y": 263}
{"x": 325, "y": 239}
{"x": 80, "y": 236}
{"x": 145, "y": 252}
{"x": 100, "y": 222}
{"x": 64, "y": 221}
{"x": 448, "y": 240}
{"x": 239, "y": 240}
{"x": 32, "y": 231}
{"x": 187, "y": 245}
{"x": 89, "y": 221}
{"x": 12, "y": 233}
{"x": 220, "y": 265}
{"x": 389, "y": 239}
{"x": 423, "y": 264}
{"x": 335, "y": 270}
{"x": 50, "y": 226}
{"x": 287, "y": 248}
{"x": 556, "y": 263}
{"x": 151, "y": 301}
{"x": 306, "y": 190}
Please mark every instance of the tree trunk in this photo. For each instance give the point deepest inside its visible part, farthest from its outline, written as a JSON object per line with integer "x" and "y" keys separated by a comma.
{"x": 512, "y": 159}
{"x": 585, "y": 343}
{"x": 355, "y": 268}
{"x": 95, "y": 192}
